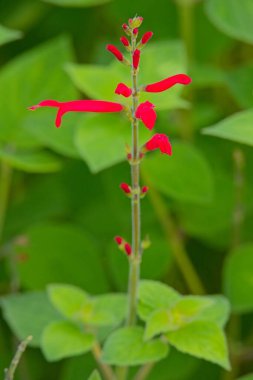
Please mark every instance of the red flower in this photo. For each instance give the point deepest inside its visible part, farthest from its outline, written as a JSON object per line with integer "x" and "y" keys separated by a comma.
{"x": 135, "y": 31}
{"x": 159, "y": 141}
{"x": 124, "y": 90}
{"x": 128, "y": 249}
{"x": 145, "y": 112}
{"x": 124, "y": 41}
{"x": 146, "y": 37}
{"x": 115, "y": 51}
{"x": 144, "y": 189}
{"x": 136, "y": 58}
{"x": 118, "y": 240}
{"x": 79, "y": 106}
{"x": 126, "y": 188}
{"x": 165, "y": 84}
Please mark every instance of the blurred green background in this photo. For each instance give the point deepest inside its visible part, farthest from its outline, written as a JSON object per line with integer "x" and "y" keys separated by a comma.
{"x": 60, "y": 203}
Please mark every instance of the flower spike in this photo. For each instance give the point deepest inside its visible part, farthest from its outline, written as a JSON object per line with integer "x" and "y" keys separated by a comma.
{"x": 167, "y": 83}
{"x": 136, "y": 58}
{"x": 124, "y": 90}
{"x": 115, "y": 51}
{"x": 79, "y": 106}
{"x": 146, "y": 113}
{"x": 159, "y": 141}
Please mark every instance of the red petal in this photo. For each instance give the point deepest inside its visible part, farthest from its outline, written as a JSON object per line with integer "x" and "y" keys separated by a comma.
{"x": 167, "y": 83}
{"x": 124, "y": 90}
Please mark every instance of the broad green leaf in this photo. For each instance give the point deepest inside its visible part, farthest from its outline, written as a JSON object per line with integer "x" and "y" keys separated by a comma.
{"x": 28, "y": 314}
{"x": 218, "y": 311}
{"x": 69, "y": 300}
{"x": 63, "y": 339}
{"x": 160, "y": 60}
{"x": 232, "y": 17}
{"x": 31, "y": 77}
{"x": 8, "y": 35}
{"x": 246, "y": 377}
{"x": 238, "y": 278}
{"x": 31, "y": 161}
{"x": 182, "y": 312}
{"x": 154, "y": 295}
{"x": 67, "y": 248}
{"x": 178, "y": 176}
{"x": 237, "y": 127}
{"x": 108, "y": 310}
{"x": 95, "y": 376}
{"x": 203, "y": 339}
{"x": 101, "y": 140}
{"x": 241, "y": 88}
{"x": 77, "y": 3}
{"x": 126, "y": 347}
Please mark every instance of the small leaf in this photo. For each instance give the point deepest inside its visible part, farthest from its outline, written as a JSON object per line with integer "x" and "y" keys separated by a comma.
{"x": 238, "y": 279}
{"x": 154, "y": 295}
{"x": 203, "y": 339}
{"x": 95, "y": 375}
{"x": 23, "y": 313}
{"x": 63, "y": 339}
{"x": 32, "y": 161}
{"x": 69, "y": 300}
{"x": 126, "y": 347}
{"x": 8, "y": 35}
{"x": 237, "y": 127}
{"x": 175, "y": 179}
{"x": 218, "y": 311}
{"x": 108, "y": 310}
{"x": 77, "y": 3}
{"x": 232, "y": 17}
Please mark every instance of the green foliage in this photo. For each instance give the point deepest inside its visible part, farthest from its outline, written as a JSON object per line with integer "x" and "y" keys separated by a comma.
{"x": 238, "y": 285}
{"x": 77, "y": 3}
{"x": 8, "y": 35}
{"x": 237, "y": 127}
{"x": 23, "y": 314}
{"x": 246, "y": 377}
{"x": 95, "y": 376}
{"x": 203, "y": 339}
{"x": 126, "y": 346}
{"x": 63, "y": 339}
{"x": 187, "y": 186}
{"x": 232, "y": 17}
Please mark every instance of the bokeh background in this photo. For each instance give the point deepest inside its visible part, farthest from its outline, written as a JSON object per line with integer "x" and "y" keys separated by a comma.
{"x": 60, "y": 203}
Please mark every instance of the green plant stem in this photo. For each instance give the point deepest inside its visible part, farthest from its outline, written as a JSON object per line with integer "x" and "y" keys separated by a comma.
{"x": 5, "y": 184}
{"x": 239, "y": 183}
{"x": 144, "y": 371}
{"x": 173, "y": 238}
{"x": 105, "y": 368}
{"x": 9, "y": 372}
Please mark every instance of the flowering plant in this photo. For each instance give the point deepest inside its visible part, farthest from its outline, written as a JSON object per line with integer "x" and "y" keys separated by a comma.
{"x": 137, "y": 329}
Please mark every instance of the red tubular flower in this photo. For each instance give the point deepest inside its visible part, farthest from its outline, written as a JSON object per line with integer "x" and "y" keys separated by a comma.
{"x": 124, "y": 90}
{"x": 115, "y": 51}
{"x": 136, "y": 58}
{"x": 79, "y": 106}
{"x": 135, "y": 31}
{"x": 126, "y": 188}
{"x": 118, "y": 240}
{"x": 165, "y": 84}
{"x": 128, "y": 249}
{"x": 159, "y": 141}
{"x": 146, "y": 37}
{"x": 124, "y": 41}
{"x": 145, "y": 112}
{"x": 144, "y": 189}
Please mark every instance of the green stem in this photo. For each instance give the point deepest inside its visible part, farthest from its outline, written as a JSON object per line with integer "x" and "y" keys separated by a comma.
{"x": 5, "y": 184}
{"x": 174, "y": 241}
{"x": 144, "y": 371}
{"x": 105, "y": 369}
{"x": 9, "y": 372}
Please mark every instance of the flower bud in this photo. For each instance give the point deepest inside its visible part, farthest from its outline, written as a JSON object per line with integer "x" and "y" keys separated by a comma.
{"x": 124, "y": 90}
{"x": 146, "y": 37}
{"x": 115, "y": 51}
{"x": 135, "y": 22}
{"x": 126, "y": 188}
{"x": 118, "y": 240}
{"x": 124, "y": 41}
{"x": 144, "y": 189}
{"x": 135, "y": 31}
{"x": 128, "y": 249}
{"x": 136, "y": 58}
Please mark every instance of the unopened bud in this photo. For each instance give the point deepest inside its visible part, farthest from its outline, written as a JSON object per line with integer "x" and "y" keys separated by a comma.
{"x": 118, "y": 240}
{"x": 128, "y": 249}
{"x": 135, "y": 22}
{"x": 126, "y": 188}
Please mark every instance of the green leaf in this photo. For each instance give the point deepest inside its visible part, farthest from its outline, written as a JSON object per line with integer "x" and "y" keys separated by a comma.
{"x": 8, "y": 35}
{"x": 182, "y": 312}
{"x": 77, "y": 3}
{"x": 63, "y": 339}
{"x": 31, "y": 161}
{"x": 218, "y": 311}
{"x": 237, "y": 81}
{"x": 101, "y": 140}
{"x": 161, "y": 60}
{"x": 95, "y": 375}
{"x": 108, "y": 310}
{"x": 69, "y": 300}
{"x": 70, "y": 249}
{"x": 154, "y": 295}
{"x": 203, "y": 339}
{"x": 232, "y": 17}
{"x": 246, "y": 377}
{"x": 238, "y": 278}
{"x": 126, "y": 347}
{"x": 174, "y": 178}
{"x": 26, "y": 80}
{"x": 237, "y": 127}
{"x": 23, "y": 313}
